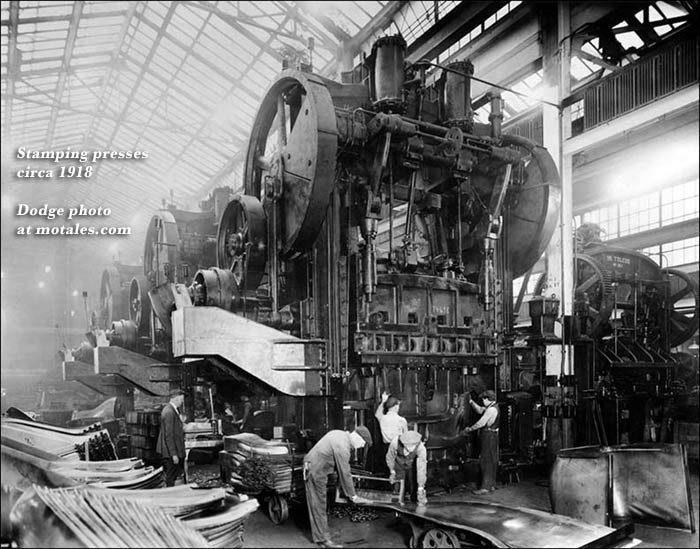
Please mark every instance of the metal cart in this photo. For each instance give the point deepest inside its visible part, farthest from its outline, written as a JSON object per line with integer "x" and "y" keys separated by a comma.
{"x": 285, "y": 482}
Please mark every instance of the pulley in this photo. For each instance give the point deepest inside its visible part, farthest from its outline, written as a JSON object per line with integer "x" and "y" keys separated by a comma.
{"x": 214, "y": 288}
{"x": 124, "y": 333}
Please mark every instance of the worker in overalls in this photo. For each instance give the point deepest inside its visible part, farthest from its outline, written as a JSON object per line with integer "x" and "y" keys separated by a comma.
{"x": 488, "y": 424}
{"x": 406, "y": 451}
{"x": 331, "y": 453}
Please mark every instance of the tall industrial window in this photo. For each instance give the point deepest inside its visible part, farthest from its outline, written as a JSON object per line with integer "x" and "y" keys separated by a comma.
{"x": 650, "y": 211}
{"x": 639, "y": 214}
{"x": 680, "y": 202}
{"x": 606, "y": 217}
{"x": 675, "y": 254}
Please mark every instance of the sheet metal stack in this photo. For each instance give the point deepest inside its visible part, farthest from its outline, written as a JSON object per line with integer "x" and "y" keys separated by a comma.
{"x": 218, "y": 516}
{"x": 91, "y": 443}
{"x": 97, "y": 518}
{"x": 247, "y": 457}
{"x": 49, "y": 469}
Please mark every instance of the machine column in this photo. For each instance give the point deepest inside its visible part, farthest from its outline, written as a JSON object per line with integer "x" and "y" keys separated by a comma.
{"x": 559, "y": 397}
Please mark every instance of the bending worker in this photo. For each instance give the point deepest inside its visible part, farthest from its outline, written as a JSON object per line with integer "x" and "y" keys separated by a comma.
{"x": 405, "y": 451}
{"x": 330, "y": 453}
{"x": 391, "y": 423}
{"x": 488, "y": 424}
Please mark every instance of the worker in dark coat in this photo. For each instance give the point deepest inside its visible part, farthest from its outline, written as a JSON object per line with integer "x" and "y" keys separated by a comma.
{"x": 171, "y": 438}
{"x": 246, "y": 421}
{"x": 331, "y": 453}
{"x": 488, "y": 424}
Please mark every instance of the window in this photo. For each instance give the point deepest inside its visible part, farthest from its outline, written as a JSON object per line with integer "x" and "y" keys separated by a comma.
{"x": 681, "y": 252}
{"x": 650, "y": 211}
{"x": 680, "y": 202}
{"x": 607, "y": 218}
{"x": 639, "y": 214}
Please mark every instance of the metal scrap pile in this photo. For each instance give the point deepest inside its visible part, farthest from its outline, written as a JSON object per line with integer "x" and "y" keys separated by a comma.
{"x": 354, "y": 512}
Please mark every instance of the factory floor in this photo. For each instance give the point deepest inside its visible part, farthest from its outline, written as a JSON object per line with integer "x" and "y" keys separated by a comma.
{"x": 388, "y": 531}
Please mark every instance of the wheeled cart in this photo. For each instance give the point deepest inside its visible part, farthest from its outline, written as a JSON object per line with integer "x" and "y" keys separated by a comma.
{"x": 268, "y": 470}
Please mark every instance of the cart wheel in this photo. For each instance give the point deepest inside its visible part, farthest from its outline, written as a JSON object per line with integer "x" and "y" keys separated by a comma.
{"x": 277, "y": 509}
{"x": 436, "y": 537}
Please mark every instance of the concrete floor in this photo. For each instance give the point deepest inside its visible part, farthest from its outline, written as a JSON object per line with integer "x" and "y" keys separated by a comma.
{"x": 389, "y": 531}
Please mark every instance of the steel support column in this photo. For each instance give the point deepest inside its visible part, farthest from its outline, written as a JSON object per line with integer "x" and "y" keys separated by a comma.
{"x": 556, "y": 127}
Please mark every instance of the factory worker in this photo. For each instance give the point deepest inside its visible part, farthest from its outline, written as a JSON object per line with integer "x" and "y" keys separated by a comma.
{"x": 488, "y": 424}
{"x": 391, "y": 423}
{"x": 405, "y": 452}
{"x": 171, "y": 438}
{"x": 331, "y": 453}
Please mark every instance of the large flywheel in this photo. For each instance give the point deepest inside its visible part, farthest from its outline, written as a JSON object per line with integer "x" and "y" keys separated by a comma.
{"x": 292, "y": 157}
{"x": 532, "y": 205}
{"x": 241, "y": 243}
{"x": 161, "y": 254}
{"x": 113, "y": 305}
{"x": 594, "y": 288}
{"x": 682, "y": 306}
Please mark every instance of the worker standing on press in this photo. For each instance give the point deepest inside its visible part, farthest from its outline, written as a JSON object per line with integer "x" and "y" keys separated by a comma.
{"x": 405, "y": 452}
{"x": 171, "y": 438}
{"x": 488, "y": 424}
{"x": 391, "y": 423}
{"x": 330, "y": 453}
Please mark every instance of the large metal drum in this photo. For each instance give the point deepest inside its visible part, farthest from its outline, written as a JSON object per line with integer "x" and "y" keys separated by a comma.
{"x": 643, "y": 483}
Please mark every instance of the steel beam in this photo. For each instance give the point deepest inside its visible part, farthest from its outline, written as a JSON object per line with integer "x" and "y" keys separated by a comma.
{"x": 380, "y": 22}
{"x": 450, "y": 29}
{"x": 656, "y": 111}
{"x": 119, "y": 43}
{"x": 13, "y": 62}
{"x": 65, "y": 71}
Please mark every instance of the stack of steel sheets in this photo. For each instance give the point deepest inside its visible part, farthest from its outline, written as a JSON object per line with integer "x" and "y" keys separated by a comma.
{"x": 282, "y": 468}
{"x": 90, "y": 443}
{"x": 33, "y": 465}
{"x": 219, "y": 517}
{"x": 79, "y": 517}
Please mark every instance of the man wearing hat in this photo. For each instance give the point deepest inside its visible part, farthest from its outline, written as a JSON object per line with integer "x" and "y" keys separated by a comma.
{"x": 405, "y": 451}
{"x": 488, "y": 424}
{"x": 331, "y": 453}
{"x": 171, "y": 438}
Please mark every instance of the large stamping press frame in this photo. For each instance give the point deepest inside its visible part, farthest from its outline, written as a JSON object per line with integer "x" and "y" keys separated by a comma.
{"x": 373, "y": 248}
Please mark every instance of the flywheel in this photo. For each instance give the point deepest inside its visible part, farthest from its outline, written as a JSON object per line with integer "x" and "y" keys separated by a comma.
{"x": 241, "y": 243}
{"x": 682, "y": 306}
{"x": 532, "y": 205}
{"x": 113, "y": 302}
{"x": 291, "y": 157}
{"x": 139, "y": 304}
{"x": 594, "y": 288}
{"x": 161, "y": 254}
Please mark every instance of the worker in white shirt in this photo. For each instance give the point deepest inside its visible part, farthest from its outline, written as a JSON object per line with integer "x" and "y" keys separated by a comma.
{"x": 391, "y": 423}
{"x": 488, "y": 424}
